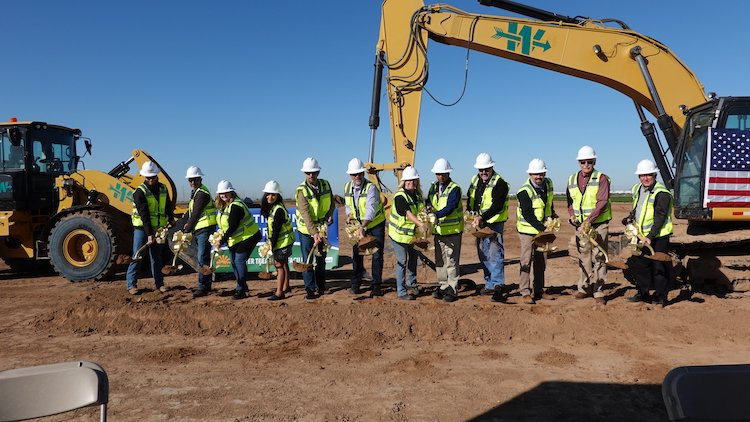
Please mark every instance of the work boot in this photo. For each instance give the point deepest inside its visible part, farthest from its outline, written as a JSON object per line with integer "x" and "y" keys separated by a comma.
{"x": 438, "y": 294}
{"x": 581, "y": 295}
{"x": 163, "y": 289}
{"x": 311, "y": 295}
{"x": 527, "y": 299}
{"x": 498, "y": 296}
{"x": 239, "y": 294}
{"x": 376, "y": 291}
{"x": 134, "y": 291}
{"x": 200, "y": 292}
{"x": 414, "y": 291}
{"x": 407, "y": 297}
{"x": 355, "y": 289}
{"x": 636, "y": 298}
{"x": 449, "y": 295}
{"x": 659, "y": 301}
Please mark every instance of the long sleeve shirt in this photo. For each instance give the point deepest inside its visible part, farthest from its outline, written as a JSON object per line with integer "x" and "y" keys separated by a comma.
{"x": 661, "y": 208}
{"x": 141, "y": 204}
{"x": 200, "y": 200}
{"x": 304, "y": 208}
{"x": 527, "y": 210}
{"x": 499, "y": 196}
{"x": 602, "y": 196}
{"x": 454, "y": 200}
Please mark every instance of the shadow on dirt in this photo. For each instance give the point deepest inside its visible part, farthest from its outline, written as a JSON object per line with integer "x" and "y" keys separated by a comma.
{"x": 579, "y": 401}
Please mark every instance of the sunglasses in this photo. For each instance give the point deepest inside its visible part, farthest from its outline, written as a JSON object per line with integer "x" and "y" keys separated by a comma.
{"x": 311, "y": 172}
{"x": 193, "y": 179}
{"x": 487, "y": 170}
{"x": 586, "y": 162}
{"x": 152, "y": 177}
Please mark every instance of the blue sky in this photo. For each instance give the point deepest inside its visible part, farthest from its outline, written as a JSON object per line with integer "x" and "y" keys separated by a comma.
{"x": 247, "y": 89}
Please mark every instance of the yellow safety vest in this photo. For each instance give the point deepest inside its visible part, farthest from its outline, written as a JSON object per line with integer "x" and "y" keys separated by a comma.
{"x": 286, "y": 235}
{"x": 360, "y": 209}
{"x": 542, "y": 210}
{"x": 157, "y": 208}
{"x": 400, "y": 228}
{"x": 317, "y": 207}
{"x": 247, "y": 227}
{"x": 452, "y": 223}
{"x": 585, "y": 202}
{"x": 208, "y": 216}
{"x": 645, "y": 221}
{"x": 486, "y": 200}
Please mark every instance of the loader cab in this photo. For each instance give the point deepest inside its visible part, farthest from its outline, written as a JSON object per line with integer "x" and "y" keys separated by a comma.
{"x": 32, "y": 155}
{"x": 692, "y": 157}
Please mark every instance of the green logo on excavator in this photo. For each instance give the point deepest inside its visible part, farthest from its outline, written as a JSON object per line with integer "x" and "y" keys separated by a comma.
{"x": 523, "y": 38}
{"x": 122, "y": 193}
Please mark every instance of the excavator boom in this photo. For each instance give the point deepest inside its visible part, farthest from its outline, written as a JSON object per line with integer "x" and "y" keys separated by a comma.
{"x": 617, "y": 57}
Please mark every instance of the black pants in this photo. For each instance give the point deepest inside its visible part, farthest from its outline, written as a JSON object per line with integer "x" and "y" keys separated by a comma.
{"x": 650, "y": 274}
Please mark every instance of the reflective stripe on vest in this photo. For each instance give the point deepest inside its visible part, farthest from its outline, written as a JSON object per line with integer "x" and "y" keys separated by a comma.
{"x": 157, "y": 208}
{"x": 541, "y": 209}
{"x": 208, "y": 216}
{"x": 452, "y": 223}
{"x": 486, "y": 200}
{"x": 286, "y": 234}
{"x": 317, "y": 206}
{"x": 645, "y": 221}
{"x": 584, "y": 202}
{"x": 247, "y": 227}
{"x": 400, "y": 227}
{"x": 360, "y": 209}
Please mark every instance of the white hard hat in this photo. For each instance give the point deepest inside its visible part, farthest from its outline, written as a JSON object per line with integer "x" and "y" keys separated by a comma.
{"x": 224, "y": 187}
{"x": 409, "y": 173}
{"x": 586, "y": 153}
{"x": 193, "y": 172}
{"x": 355, "y": 166}
{"x": 310, "y": 165}
{"x": 272, "y": 186}
{"x": 149, "y": 169}
{"x": 442, "y": 166}
{"x": 483, "y": 161}
{"x": 536, "y": 166}
{"x": 646, "y": 167}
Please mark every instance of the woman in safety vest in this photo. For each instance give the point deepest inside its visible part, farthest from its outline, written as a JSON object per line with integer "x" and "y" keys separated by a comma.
{"x": 280, "y": 234}
{"x": 402, "y": 224}
{"x": 241, "y": 233}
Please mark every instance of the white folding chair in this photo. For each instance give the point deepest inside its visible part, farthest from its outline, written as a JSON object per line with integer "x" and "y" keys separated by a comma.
{"x": 46, "y": 390}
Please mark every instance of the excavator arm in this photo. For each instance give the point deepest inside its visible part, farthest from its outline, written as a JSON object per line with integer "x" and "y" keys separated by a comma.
{"x": 631, "y": 63}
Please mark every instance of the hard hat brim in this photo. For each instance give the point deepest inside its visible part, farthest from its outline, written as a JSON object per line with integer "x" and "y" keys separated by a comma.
{"x": 484, "y": 166}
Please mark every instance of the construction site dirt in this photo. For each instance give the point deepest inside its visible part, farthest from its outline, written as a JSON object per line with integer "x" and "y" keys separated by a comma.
{"x": 346, "y": 357}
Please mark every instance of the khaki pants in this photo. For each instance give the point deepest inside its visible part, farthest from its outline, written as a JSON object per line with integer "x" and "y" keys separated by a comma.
{"x": 592, "y": 264}
{"x": 531, "y": 259}
{"x": 447, "y": 254}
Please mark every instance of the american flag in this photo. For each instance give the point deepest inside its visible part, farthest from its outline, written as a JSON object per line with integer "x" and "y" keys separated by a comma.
{"x": 728, "y": 176}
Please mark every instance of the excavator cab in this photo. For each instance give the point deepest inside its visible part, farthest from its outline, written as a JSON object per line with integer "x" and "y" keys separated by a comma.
{"x": 693, "y": 167}
{"x": 32, "y": 155}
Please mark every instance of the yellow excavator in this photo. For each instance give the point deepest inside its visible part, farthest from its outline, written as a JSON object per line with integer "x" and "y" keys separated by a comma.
{"x": 606, "y": 51}
{"x": 77, "y": 220}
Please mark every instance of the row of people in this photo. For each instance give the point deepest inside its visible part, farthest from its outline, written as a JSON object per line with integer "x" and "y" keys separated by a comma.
{"x": 589, "y": 209}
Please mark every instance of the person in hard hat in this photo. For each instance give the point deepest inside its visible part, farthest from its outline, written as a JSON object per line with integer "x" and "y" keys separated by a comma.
{"x": 152, "y": 209}
{"x": 487, "y": 196}
{"x": 315, "y": 206}
{"x": 535, "y": 204}
{"x": 652, "y": 216}
{"x": 588, "y": 204}
{"x": 362, "y": 204}
{"x": 240, "y": 233}
{"x": 402, "y": 223}
{"x": 280, "y": 234}
{"x": 201, "y": 221}
{"x": 444, "y": 198}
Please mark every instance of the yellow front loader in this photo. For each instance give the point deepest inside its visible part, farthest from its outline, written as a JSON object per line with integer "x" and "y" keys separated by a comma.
{"x": 50, "y": 211}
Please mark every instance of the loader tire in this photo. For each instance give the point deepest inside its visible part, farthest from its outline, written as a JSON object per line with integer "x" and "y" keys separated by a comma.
{"x": 83, "y": 246}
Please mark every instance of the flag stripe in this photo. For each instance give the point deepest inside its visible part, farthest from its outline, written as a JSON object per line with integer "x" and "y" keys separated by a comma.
{"x": 728, "y": 204}
{"x": 717, "y": 179}
{"x": 728, "y": 192}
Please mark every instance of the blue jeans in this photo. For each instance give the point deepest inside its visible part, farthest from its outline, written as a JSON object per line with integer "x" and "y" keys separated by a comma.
{"x": 315, "y": 279}
{"x": 154, "y": 254}
{"x": 377, "y": 258}
{"x": 491, "y": 253}
{"x": 239, "y": 267}
{"x": 406, "y": 267}
{"x": 204, "y": 257}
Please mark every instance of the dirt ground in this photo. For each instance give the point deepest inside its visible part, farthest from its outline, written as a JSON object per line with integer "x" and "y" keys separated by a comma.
{"x": 345, "y": 357}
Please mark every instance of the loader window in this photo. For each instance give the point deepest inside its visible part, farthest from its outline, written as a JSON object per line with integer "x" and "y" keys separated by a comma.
{"x": 53, "y": 151}
{"x": 12, "y": 151}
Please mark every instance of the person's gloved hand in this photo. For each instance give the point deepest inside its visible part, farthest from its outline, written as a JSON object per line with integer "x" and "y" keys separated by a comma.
{"x": 626, "y": 221}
